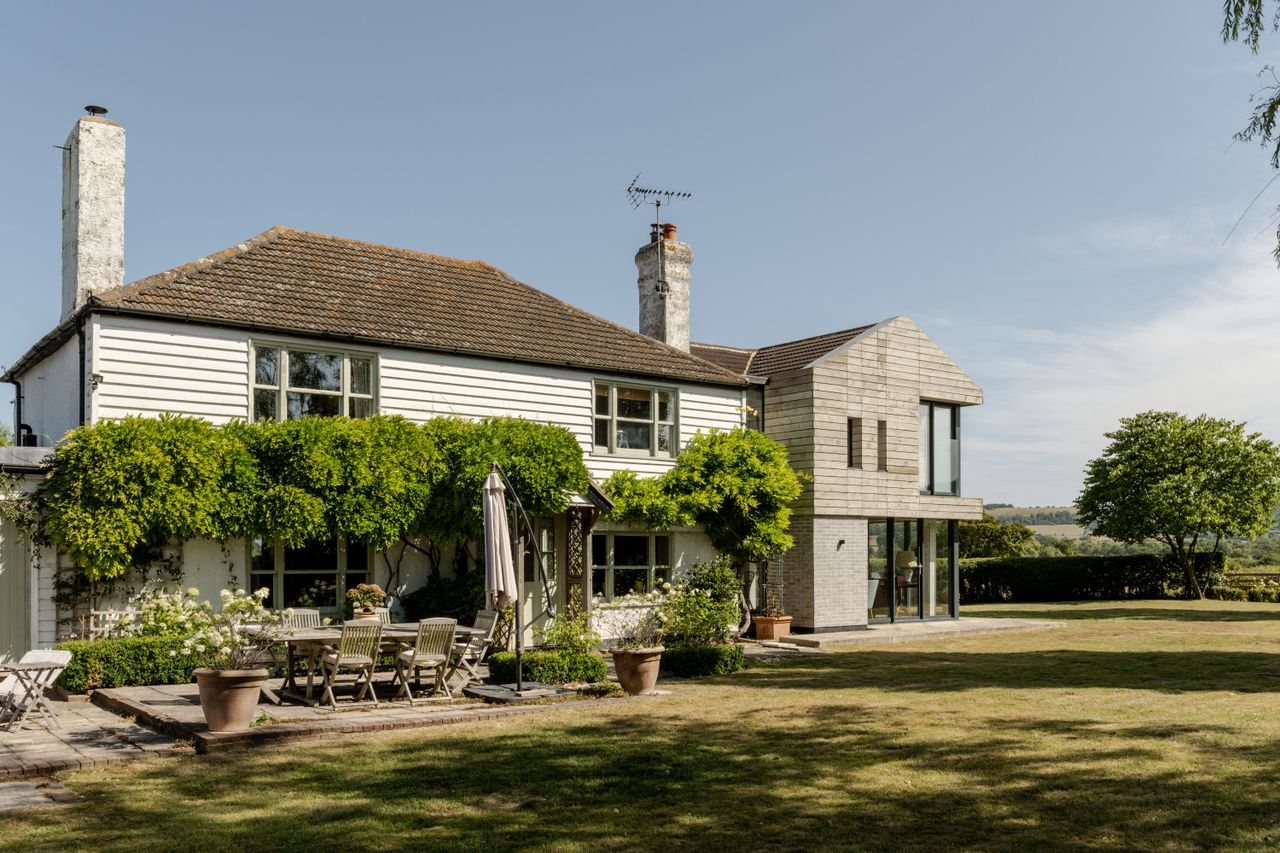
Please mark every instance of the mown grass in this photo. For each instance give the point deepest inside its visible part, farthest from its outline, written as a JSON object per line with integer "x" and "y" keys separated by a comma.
{"x": 1143, "y": 725}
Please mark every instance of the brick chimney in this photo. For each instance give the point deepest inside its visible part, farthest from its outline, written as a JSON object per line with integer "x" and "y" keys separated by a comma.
{"x": 663, "y": 265}
{"x": 92, "y": 209}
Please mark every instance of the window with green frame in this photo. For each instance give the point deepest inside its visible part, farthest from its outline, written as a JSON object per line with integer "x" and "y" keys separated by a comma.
{"x": 622, "y": 563}
{"x": 316, "y": 575}
{"x": 635, "y": 420}
{"x": 296, "y": 382}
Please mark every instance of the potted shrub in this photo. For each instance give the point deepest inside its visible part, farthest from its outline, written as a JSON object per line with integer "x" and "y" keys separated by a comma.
{"x": 231, "y": 684}
{"x": 364, "y": 598}
{"x": 637, "y": 654}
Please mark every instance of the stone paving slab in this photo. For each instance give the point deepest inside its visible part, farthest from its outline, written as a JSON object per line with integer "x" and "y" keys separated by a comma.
{"x": 34, "y": 794}
{"x": 910, "y": 631}
{"x": 86, "y": 736}
{"x": 174, "y": 712}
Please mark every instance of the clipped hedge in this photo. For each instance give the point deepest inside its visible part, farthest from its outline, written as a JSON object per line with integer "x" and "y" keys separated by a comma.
{"x": 1081, "y": 578}
{"x": 127, "y": 662}
{"x": 694, "y": 661}
{"x": 551, "y": 666}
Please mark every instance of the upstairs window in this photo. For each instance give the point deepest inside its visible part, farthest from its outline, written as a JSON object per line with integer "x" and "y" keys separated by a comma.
{"x": 939, "y": 449}
{"x": 292, "y": 382}
{"x": 635, "y": 420}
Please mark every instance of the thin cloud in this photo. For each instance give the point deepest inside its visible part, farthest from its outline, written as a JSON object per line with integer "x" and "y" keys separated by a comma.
{"x": 1051, "y": 395}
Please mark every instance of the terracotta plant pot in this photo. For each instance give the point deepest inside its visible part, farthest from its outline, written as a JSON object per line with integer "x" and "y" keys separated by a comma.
{"x": 637, "y": 669}
{"x": 771, "y": 627}
{"x": 229, "y": 697}
{"x": 364, "y": 614}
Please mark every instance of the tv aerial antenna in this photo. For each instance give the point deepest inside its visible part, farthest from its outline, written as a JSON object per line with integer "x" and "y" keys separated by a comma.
{"x": 639, "y": 195}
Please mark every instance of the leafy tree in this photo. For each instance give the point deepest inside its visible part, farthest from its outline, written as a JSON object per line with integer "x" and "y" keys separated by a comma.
{"x": 1246, "y": 21}
{"x": 6, "y": 437}
{"x": 992, "y": 537}
{"x": 738, "y": 485}
{"x": 1176, "y": 479}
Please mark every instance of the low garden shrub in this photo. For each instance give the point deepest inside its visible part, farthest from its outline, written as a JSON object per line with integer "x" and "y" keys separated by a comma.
{"x": 1082, "y": 578}
{"x": 691, "y": 661}
{"x": 1226, "y": 592}
{"x": 702, "y": 608}
{"x": 551, "y": 666}
{"x": 129, "y": 662}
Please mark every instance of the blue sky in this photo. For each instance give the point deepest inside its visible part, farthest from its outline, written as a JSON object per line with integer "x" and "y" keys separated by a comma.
{"x": 1045, "y": 188}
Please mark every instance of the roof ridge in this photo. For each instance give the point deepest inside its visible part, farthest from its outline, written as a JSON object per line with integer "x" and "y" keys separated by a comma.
{"x": 851, "y": 330}
{"x": 723, "y": 346}
{"x": 388, "y": 247}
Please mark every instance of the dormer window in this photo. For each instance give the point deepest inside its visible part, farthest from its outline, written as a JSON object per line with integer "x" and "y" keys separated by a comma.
{"x": 293, "y": 382}
{"x": 635, "y": 420}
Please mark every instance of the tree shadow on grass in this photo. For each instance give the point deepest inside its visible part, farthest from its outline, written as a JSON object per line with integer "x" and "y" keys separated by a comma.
{"x": 1082, "y": 611}
{"x": 825, "y": 777}
{"x": 939, "y": 671}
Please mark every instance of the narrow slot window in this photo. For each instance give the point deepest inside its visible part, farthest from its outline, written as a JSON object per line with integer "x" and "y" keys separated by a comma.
{"x": 882, "y": 445}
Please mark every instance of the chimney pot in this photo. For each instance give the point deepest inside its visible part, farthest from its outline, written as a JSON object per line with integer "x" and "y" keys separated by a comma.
{"x": 668, "y": 231}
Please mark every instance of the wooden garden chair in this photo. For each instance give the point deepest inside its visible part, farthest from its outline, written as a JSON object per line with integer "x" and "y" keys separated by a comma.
{"x": 384, "y": 614}
{"x": 469, "y": 653}
{"x": 23, "y": 689}
{"x": 357, "y": 650}
{"x": 431, "y": 652}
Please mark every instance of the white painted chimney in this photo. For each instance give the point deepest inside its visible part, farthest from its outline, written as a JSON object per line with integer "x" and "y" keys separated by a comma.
{"x": 664, "y": 287}
{"x": 92, "y": 209}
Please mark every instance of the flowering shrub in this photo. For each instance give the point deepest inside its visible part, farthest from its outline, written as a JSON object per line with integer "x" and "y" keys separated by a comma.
{"x": 696, "y": 617}
{"x": 366, "y": 595}
{"x": 227, "y": 638}
{"x": 153, "y": 612}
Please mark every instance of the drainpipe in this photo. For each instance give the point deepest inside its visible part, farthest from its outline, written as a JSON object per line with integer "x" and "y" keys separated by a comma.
{"x": 80, "y": 336}
{"x": 20, "y": 430}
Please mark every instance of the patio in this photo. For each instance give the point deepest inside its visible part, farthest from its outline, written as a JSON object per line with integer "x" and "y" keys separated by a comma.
{"x": 916, "y": 629}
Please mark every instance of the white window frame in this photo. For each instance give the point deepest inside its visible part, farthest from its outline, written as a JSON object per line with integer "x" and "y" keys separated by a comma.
{"x": 655, "y": 569}
{"x": 612, "y": 418}
{"x": 282, "y": 388}
{"x": 276, "y": 601}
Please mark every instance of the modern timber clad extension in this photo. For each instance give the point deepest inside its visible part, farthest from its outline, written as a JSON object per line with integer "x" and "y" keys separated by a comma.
{"x": 872, "y": 415}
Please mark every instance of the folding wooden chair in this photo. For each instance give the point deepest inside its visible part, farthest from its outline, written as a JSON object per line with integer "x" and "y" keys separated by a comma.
{"x": 23, "y": 689}
{"x": 430, "y": 652}
{"x": 357, "y": 650}
{"x": 469, "y": 654}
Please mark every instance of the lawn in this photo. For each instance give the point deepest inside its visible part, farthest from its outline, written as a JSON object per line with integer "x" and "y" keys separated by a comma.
{"x": 1135, "y": 725}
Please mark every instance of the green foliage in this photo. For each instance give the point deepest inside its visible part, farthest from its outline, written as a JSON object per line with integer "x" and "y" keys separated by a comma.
{"x": 1023, "y": 579}
{"x": 119, "y": 490}
{"x": 992, "y": 537}
{"x": 1245, "y": 21}
{"x": 542, "y": 461}
{"x": 692, "y": 661}
{"x": 716, "y": 577}
{"x": 458, "y": 598}
{"x": 551, "y": 666}
{"x": 1226, "y": 592}
{"x": 128, "y": 662}
{"x": 1175, "y": 479}
{"x": 737, "y": 485}
{"x": 6, "y": 437}
{"x": 702, "y": 609}
{"x": 572, "y": 631}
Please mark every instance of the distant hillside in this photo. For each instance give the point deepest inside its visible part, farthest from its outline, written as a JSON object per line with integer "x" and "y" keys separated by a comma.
{"x": 1033, "y": 516}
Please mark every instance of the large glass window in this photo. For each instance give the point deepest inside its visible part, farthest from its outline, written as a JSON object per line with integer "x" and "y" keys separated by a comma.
{"x": 291, "y": 383}
{"x": 939, "y": 449}
{"x": 631, "y": 419}
{"x": 629, "y": 562}
{"x": 316, "y": 575}
{"x": 911, "y": 569}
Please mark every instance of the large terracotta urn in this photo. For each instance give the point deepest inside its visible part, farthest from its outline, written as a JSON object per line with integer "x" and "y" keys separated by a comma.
{"x": 637, "y": 669}
{"x": 229, "y": 697}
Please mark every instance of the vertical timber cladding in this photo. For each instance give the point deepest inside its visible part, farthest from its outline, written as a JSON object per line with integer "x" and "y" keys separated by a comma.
{"x": 15, "y": 593}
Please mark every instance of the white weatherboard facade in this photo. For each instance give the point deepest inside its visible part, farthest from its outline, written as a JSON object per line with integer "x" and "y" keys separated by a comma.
{"x": 143, "y": 366}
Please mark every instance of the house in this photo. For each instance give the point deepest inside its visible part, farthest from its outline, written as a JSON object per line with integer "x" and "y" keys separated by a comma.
{"x": 290, "y": 324}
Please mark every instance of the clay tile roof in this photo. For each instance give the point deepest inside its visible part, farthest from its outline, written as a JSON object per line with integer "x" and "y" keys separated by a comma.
{"x": 736, "y": 359}
{"x": 305, "y": 283}
{"x": 779, "y": 358}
